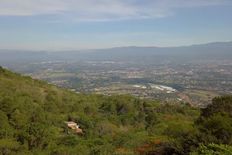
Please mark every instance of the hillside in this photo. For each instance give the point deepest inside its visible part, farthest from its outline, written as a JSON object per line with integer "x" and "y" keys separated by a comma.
{"x": 33, "y": 115}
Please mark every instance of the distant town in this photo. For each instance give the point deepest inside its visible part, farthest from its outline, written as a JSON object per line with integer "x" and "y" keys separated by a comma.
{"x": 192, "y": 83}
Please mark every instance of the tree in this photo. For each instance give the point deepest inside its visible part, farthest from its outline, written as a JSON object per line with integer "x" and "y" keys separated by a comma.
{"x": 213, "y": 149}
{"x": 7, "y": 146}
{"x": 5, "y": 128}
{"x": 221, "y": 105}
{"x": 215, "y": 121}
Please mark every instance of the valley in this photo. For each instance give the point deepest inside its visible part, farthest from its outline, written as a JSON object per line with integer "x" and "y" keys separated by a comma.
{"x": 190, "y": 74}
{"x": 196, "y": 84}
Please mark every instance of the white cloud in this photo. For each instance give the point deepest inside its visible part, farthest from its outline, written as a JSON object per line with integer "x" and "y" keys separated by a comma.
{"x": 100, "y": 10}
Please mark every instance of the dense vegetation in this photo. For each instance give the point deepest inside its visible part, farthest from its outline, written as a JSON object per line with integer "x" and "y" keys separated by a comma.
{"x": 32, "y": 116}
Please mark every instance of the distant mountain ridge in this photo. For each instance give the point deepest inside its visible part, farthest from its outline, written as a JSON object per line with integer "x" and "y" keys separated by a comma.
{"x": 215, "y": 50}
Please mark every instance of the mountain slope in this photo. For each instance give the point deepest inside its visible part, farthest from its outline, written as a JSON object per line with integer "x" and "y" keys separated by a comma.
{"x": 33, "y": 115}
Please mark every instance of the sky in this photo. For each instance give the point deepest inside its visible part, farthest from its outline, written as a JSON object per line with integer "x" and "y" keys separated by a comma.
{"x": 90, "y": 24}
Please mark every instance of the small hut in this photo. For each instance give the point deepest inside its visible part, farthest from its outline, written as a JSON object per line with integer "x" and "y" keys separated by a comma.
{"x": 74, "y": 126}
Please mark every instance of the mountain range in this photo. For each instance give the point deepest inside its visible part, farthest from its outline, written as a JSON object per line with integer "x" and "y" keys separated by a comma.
{"x": 204, "y": 52}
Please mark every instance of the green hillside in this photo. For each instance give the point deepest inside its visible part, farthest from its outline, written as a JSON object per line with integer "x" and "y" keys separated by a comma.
{"x": 33, "y": 115}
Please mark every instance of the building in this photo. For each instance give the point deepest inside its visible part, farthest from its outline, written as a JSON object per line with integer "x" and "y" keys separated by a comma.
{"x": 74, "y": 126}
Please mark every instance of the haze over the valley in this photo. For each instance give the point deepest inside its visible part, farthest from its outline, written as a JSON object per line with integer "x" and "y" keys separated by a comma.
{"x": 115, "y": 77}
{"x": 178, "y": 50}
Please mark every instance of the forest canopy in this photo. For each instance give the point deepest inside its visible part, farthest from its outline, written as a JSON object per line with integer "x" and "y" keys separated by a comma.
{"x": 33, "y": 115}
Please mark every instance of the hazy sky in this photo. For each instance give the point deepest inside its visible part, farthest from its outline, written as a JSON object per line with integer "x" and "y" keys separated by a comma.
{"x": 81, "y": 24}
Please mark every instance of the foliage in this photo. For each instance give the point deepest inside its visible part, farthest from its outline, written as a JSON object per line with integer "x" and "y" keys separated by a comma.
{"x": 213, "y": 149}
{"x": 33, "y": 115}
